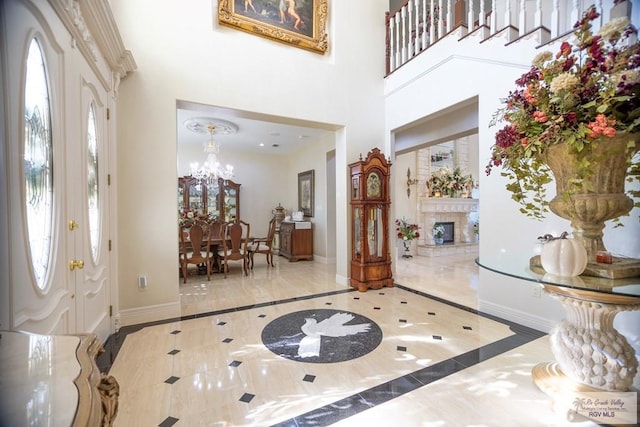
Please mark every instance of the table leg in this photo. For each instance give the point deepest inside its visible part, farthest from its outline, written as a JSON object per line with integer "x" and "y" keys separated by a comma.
{"x": 591, "y": 355}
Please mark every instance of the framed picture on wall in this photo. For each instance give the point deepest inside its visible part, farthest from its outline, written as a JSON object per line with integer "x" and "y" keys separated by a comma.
{"x": 299, "y": 23}
{"x": 305, "y": 192}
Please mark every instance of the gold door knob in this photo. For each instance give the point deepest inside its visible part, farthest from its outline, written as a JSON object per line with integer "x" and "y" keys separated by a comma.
{"x": 74, "y": 263}
{"x": 73, "y": 225}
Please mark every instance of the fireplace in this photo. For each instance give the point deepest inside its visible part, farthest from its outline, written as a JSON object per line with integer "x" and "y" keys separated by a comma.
{"x": 449, "y": 231}
{"x": 453, "y": 213}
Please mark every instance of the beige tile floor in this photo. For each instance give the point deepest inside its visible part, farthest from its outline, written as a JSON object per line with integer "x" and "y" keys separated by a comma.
{"x": 494, "y": 392}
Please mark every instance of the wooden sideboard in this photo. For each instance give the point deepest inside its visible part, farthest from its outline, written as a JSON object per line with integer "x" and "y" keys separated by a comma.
{"x": 296, "y": 240}
{"x": 54, "y": 380}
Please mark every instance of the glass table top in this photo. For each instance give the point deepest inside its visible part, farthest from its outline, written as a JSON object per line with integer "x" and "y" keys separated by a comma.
{"x": 517, "y": 265}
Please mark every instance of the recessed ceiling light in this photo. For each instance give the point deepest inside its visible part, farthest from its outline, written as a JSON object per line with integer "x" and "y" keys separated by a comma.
{"x": 303, "y": 136}
{"x": 262, "y": 144}
{"x": 276, "y": 145}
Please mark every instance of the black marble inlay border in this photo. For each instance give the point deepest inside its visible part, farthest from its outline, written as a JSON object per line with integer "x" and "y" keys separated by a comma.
{"x": 397, "y": 387}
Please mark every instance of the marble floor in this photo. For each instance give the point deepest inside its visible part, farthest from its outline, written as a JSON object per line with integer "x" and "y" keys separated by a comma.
{"x": 417, "y": 354}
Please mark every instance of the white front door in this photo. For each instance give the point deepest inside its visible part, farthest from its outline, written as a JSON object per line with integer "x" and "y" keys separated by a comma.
{"x": 55, "y": 115}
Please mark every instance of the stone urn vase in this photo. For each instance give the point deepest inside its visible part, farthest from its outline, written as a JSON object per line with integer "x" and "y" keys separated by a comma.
{"x": 279, "y": 213}
{"x": 599, "y": 197}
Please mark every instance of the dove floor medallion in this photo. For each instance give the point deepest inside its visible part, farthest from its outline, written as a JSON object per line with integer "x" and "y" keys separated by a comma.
{"x": 321, "y": 336}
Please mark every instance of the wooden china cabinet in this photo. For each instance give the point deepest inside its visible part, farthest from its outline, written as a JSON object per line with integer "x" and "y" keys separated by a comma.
{"x": 370, "y": 202}
{"x": 196, "y": 196}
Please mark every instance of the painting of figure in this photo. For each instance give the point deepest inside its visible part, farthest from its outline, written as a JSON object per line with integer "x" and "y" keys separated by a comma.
{"x": 298, "y": 22}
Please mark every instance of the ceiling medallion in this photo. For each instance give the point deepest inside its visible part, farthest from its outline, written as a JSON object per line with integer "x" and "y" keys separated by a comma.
{"x": 202, "y": 124}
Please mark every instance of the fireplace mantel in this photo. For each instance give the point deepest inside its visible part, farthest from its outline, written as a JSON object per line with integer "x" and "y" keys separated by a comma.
{"x": 448, "y": 205}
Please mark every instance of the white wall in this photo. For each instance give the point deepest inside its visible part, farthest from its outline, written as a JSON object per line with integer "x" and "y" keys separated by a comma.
{"x": 182, "y": 54}
{"x": 404, "y": 206}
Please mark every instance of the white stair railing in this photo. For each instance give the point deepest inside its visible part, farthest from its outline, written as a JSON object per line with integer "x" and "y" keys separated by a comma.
{"x": 418, "y": 24}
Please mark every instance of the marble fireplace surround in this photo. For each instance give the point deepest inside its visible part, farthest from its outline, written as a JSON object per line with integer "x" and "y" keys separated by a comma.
{"x": 445, "y": 209}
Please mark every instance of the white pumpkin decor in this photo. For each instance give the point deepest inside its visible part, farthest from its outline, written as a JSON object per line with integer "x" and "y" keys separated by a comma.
{"x": 562, "y": 256}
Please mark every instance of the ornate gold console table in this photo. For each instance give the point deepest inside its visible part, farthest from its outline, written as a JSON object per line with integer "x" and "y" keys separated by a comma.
{"x": 591, "y": 356}
{"x": 54, "y": 380}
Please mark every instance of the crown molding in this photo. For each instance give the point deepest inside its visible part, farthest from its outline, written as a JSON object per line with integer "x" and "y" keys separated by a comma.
{"x": 95, "y": 34}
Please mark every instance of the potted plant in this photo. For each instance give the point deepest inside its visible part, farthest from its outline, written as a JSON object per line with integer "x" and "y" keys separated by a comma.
{"x": 438, "y": 234}
{"x": 407, "y": 232}
{"x": 574, "y": 117}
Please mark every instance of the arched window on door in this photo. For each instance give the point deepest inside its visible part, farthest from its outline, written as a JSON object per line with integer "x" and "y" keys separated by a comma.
{"x": 38, "y": 163}
{"x": 93, "y": 199}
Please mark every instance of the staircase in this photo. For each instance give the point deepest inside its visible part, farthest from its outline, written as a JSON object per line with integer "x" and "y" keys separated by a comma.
{"x": 419, "y": 24}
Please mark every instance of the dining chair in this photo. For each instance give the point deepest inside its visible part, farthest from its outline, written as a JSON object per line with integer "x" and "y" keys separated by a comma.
{"x": 215, "y": 226}
{"x": 264, "y": 245}
{"x": 195, "y": 248}
{"x": 235, "y": 238}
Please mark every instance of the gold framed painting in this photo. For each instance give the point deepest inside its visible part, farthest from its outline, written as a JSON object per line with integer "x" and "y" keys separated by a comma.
{"x": 300, "y": 23}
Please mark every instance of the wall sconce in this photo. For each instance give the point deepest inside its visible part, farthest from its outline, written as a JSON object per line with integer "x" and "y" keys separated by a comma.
{"x": 410, "y": 182}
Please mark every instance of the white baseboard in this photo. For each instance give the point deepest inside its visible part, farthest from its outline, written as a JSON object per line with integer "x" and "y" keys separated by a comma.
{"x": 320, "y": 259}
{"x": 342, "y": 280}
{"x": 152, "y": 313}
{"x": 527, "y": 319}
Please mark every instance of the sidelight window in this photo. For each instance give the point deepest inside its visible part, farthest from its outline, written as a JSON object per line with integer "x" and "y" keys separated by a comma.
{"x": 38, "y": 163}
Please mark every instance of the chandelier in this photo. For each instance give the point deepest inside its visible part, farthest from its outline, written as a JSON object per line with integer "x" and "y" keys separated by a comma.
{"x": 211, "y": 170}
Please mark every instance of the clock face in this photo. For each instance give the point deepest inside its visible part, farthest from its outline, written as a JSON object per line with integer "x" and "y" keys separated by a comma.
{"x": 373, "y": 185}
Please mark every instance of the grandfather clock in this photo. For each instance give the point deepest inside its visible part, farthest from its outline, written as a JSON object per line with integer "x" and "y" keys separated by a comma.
{"x": 370, "y": 201}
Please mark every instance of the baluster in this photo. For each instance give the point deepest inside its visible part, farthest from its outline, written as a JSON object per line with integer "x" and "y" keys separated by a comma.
{"x": 507, "y": 14}
{"x": 450, "y": 16}
{"x": 470, "y": 25}
{"x": 424, "y": 24}
{"x": 440, "y": 20}
{"x": 392, "y": 44}
{"x": 432, "y": 27}
{"x": 600, "y": 10}
{"x": 410, "y": 34}
{"x": 403, "y": 17}
{"x": 575, "y": 13}
{"x": 522, "y": 21}
{"x": 482, "y": 14}
{"x": 398, "y": 63}
{"x": 537, "y": 17}
{"x": 494, "y": 18}
{"x": 417, "y": 46}
{"x": 555, "y": 19}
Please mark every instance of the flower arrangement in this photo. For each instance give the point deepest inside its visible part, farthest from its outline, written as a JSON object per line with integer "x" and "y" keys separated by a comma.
{"x": 187, "y": 217}
{"x": 407, "y": 231}
{"x": 438, "y": 231}
{"x": 587, "y": 90}
{"x": 448, "y": 182}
